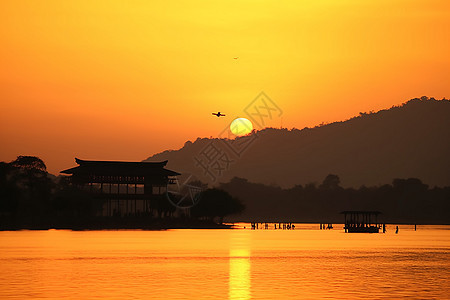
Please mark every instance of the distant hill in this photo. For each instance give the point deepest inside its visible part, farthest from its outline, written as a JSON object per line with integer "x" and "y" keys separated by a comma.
{"x": 410, "y": 140}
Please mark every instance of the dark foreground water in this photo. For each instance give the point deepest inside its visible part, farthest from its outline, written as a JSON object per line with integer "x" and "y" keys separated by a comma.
{"x": 305, "y": 263}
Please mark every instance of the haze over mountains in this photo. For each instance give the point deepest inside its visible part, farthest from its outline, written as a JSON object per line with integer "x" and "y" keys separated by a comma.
{"x": 411, "y": 140}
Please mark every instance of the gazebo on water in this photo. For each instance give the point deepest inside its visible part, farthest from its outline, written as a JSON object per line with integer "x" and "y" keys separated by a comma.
{"x": 361, "y": 221}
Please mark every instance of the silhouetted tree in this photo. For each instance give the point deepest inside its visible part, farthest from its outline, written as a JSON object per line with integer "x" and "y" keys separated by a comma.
{"x": 30, "y": 175}
{"x": 29, "y": 163}
{"x": 216, "y": 203}
{"x": 410, "y": 185}
{"x": 331, "y": 182}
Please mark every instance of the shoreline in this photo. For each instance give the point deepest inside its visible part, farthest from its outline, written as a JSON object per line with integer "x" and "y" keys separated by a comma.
{"x": 110, "y": 224}
{"x": 150, "y": 225}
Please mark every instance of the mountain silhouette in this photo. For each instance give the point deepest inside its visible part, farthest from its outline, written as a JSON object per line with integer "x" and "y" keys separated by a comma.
{"x": 407, "y": 141}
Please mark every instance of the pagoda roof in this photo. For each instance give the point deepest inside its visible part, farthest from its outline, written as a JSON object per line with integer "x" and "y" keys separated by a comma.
{"x": 123, "y": 168}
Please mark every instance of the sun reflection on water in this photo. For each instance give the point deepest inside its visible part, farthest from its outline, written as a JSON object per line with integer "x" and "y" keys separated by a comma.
{"x": 239, "y": 276}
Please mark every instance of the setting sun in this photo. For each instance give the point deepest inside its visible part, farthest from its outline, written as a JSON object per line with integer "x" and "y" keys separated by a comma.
{"x": 241, "y": 126}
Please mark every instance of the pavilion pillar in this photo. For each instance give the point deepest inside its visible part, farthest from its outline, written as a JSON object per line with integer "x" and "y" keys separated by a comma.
{"x": 127, "y": 200}
{"x": 118, "y": 200}
{"x": 109, "y": 199}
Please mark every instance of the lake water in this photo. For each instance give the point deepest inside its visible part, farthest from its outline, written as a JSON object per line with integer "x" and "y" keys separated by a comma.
{"x": 305, "y": 263}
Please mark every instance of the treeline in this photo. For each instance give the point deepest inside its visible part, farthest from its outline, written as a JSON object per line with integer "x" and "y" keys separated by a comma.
{"x": 402, "y": 201}
{"x": 30, "y": 197}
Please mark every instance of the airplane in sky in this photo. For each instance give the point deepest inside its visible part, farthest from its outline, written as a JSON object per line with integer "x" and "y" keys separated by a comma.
{"x": 218, "y": 114}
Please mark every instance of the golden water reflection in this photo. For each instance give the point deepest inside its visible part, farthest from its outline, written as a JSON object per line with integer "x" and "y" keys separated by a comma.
{"x": 239, "y": 276}
{"x": 305, "y": 263}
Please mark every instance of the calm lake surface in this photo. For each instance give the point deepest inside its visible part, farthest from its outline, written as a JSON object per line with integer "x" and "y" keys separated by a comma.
{"x": 305, "y": 263}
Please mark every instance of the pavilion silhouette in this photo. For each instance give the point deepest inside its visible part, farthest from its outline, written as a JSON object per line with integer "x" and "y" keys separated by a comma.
{"x": 125, "y": 188}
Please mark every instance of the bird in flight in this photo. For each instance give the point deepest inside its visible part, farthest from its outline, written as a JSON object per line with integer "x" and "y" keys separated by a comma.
{"x": 218, "y": 114}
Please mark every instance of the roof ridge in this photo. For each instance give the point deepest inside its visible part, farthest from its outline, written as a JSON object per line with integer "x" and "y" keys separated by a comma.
{"x": 81, "y": 161}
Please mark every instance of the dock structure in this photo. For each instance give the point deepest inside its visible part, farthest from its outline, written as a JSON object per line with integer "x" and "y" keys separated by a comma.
{"x": 124, "y": 188}
{"x": 361, "y": 221}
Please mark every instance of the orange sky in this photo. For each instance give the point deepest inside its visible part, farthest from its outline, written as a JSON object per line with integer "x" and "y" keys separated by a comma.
{"x": 118, "y": 81}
